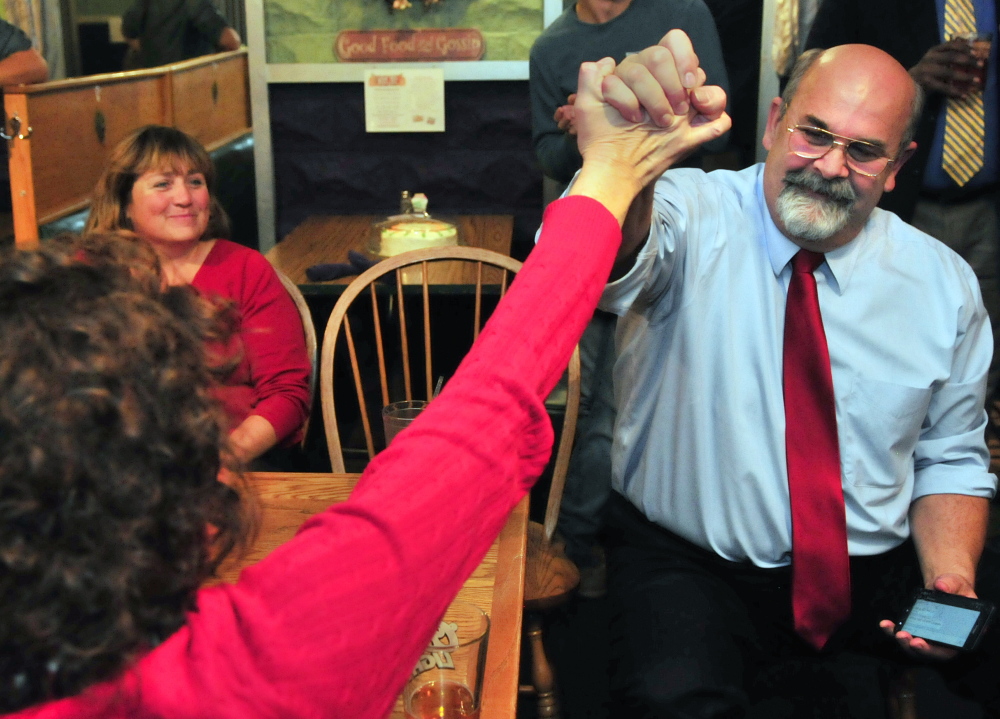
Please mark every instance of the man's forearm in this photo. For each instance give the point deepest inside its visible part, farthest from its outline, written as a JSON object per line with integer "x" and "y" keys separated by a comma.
{"x": 556, "y": 151}
{"x": 949, "y": 531}
{"x": 229, "y": 39}
{"x": 23, "y": 67}
{"x": 635, "y": 230}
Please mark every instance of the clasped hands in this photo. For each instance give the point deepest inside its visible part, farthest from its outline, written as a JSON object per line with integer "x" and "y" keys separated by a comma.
{"x": 648, "y": 112}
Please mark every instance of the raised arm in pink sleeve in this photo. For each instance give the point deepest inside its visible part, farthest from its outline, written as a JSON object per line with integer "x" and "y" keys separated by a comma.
{"x": 332, "y": 623}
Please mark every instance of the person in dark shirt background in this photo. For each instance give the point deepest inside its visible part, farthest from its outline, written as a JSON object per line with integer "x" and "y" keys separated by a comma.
{"x": 161, "y": 32}
{"x": 19, "y": 61}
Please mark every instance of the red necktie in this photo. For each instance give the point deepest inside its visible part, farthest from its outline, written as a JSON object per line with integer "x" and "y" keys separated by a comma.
{"x": 821, "y": 578}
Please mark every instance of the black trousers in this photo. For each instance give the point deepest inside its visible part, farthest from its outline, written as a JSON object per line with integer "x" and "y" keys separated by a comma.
{"x": 694, "y": 635}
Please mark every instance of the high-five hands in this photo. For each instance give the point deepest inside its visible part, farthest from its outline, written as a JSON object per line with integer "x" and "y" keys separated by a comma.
{"x": 635, "y": 120}
{"x": 662, "y": 84}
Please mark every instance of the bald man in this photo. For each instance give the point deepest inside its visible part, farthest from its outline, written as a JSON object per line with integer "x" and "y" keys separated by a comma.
{"x": 708, "y": 606}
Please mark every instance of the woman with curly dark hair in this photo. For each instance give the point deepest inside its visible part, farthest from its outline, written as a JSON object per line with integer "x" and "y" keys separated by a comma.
{"x": 111, "y": 517}
{"x": 109, "y": 453}
{"x": 159, "y": 187}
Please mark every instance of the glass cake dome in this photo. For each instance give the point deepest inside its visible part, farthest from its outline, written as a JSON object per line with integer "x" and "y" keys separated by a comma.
{"x": 412, "y": 229}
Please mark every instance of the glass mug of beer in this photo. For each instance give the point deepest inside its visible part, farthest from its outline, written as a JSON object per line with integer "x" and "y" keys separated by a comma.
{"x": 979, "y": 50}
{"x": 448, "y": 679}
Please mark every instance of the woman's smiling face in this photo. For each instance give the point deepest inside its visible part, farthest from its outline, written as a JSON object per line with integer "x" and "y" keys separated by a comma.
{"x": 170, "y": 204}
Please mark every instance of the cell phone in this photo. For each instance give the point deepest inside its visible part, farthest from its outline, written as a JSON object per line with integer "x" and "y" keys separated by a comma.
{"x": 947, "y": 619}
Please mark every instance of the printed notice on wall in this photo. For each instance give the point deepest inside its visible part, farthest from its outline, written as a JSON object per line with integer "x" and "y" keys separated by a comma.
{"x": 410, "y": 100}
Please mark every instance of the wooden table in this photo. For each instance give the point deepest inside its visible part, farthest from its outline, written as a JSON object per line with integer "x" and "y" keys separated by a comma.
{"x": 288, "y": 499}
{"x": 328, "y": 238}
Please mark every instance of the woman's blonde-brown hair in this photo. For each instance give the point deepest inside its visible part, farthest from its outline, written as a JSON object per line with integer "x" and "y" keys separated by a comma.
{"x": 153, "y": 147}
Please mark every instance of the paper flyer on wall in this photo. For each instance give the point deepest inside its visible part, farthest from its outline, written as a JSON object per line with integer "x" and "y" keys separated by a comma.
{"x": 404, "y": 100}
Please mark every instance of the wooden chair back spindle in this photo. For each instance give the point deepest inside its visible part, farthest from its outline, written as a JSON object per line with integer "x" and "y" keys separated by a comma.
{"x": 412, "y": 275}
{"x": 428, "y": 370}
{"x": 309, "y": 330}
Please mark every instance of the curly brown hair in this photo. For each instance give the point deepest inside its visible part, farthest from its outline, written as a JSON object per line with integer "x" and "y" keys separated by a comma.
{"x": 153, "y": 147}
{"x": 111, "y": 515}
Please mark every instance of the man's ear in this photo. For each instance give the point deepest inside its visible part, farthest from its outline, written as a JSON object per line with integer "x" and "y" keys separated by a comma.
{"x": 897, "y": 165}
{"x": 774, "y": 118}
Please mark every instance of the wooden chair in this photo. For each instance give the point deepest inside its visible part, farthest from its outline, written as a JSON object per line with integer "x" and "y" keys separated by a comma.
{"x": 311, "y": 346}
{"x": 382, "y": 327}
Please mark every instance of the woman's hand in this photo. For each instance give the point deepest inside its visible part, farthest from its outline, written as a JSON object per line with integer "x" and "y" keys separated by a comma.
{"x": 252, "y": 438}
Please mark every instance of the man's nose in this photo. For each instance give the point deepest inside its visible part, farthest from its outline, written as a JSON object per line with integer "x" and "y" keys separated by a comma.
{"x": 834, "y": 163}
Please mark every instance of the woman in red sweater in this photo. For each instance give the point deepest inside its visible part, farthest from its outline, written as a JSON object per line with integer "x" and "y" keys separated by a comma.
{"x": 108, "y": 458}
{"x": 158, "y": 186}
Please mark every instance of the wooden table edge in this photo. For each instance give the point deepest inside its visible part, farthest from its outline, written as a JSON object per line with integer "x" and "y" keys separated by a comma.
{"x": 504, "y": 657}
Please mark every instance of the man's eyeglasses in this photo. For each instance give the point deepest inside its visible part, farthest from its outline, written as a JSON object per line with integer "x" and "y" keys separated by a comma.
{"x": 814, "y": 142}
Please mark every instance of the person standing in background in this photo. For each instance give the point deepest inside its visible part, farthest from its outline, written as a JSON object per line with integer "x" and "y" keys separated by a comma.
{"x": 161, "y": 32}
{"x": 585, "y": 32}
{"x": 962, "y": 212}
{"x": 739, "y": 23}
{"x": 588, "y": 31}
{"x": 20, "y": 63}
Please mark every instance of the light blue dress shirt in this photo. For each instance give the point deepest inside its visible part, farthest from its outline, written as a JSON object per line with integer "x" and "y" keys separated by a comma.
{"x": 699, "y": 440}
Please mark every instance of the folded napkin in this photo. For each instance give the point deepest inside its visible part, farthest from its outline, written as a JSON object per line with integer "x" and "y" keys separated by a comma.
{"x": 356, "y": 264}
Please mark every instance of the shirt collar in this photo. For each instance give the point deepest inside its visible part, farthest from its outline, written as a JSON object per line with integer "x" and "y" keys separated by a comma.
{"x": 839, "y": 265}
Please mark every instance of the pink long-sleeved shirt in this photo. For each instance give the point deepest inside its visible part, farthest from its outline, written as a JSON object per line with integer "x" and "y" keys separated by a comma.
{"x": 332, "y": 623}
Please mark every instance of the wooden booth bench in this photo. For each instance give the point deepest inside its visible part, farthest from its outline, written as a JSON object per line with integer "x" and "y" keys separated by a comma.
{"x": 60, "y": 134}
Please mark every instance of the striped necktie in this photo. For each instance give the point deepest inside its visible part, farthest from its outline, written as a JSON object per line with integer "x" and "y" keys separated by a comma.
{"x": 964, "y": 127}
{"x": 785, "y": 44}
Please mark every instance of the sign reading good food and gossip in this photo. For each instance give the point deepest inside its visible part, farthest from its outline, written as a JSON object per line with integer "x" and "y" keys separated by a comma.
{"x": 424, "y": 44}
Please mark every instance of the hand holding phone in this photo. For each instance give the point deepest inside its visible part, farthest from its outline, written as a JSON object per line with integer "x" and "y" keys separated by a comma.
{"x": 949, "y": 619}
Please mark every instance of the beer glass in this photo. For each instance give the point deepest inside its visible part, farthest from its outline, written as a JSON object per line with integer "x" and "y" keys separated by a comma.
{"x": 448, "y": 679}
{"x": 397, "y": 416}
{"x": 979, "y": 50}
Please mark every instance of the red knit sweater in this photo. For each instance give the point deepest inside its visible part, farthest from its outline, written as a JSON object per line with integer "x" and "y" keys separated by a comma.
{"x": 272, "y": 379}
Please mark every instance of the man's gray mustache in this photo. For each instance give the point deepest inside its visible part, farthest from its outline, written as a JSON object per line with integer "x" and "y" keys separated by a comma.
{"x": 839, "y": 190}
